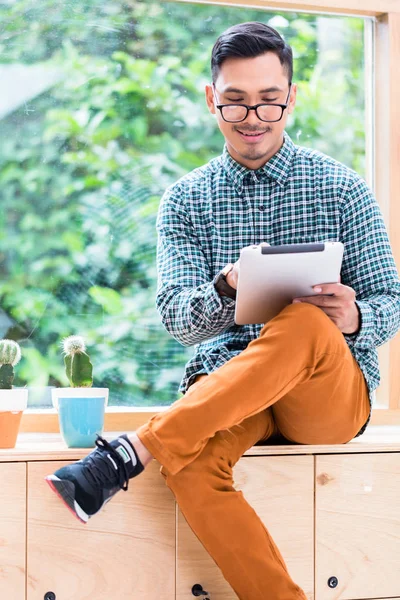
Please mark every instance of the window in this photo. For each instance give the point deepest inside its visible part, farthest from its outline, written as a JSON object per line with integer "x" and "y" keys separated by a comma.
{"x": 104, "y": 108}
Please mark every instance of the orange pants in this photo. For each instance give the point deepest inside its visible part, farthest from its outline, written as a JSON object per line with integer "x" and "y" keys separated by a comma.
{"x": 298, "y": 378}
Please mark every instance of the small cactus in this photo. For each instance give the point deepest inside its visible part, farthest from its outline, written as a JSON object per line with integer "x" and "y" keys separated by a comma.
{"x": 10, "y": 355}
{"x": 77, "y": 363}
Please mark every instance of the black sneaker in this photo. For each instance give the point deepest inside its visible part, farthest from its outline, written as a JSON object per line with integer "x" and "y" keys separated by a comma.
{"x": 87, "y": 485}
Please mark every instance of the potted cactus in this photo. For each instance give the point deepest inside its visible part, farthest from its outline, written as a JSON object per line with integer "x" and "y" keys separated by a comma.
{"x": 13, "y": 401}
{"x": 80, "y": 407}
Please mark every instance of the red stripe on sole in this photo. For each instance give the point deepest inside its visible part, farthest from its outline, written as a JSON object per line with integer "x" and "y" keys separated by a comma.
{"x": 52, "y": 486}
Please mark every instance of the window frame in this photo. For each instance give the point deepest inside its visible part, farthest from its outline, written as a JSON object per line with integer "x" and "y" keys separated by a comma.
{"x": 386, "y": 149}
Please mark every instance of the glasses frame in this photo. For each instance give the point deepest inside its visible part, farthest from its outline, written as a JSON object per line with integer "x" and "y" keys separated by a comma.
{"x": 254, "y": 107}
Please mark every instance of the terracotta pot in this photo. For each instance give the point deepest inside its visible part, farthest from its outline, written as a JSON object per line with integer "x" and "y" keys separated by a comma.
{"x": 12, "y": 405}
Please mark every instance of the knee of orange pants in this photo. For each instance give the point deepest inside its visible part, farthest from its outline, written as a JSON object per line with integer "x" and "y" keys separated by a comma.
{"x": 306, "y": 322}
{"x": 211, "y": 470}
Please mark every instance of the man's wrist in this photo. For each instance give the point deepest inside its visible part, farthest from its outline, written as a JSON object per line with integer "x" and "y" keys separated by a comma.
{"x": 357, "y": 331}
{"x": 221, "y": 285}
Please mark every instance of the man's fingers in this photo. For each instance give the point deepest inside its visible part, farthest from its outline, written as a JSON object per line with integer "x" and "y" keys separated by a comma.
{"x": 323, "y": 301}
{"x": 338, "y": 289}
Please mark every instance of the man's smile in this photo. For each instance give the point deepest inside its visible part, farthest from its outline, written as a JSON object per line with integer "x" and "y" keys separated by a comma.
{"x": 251, "y": 136}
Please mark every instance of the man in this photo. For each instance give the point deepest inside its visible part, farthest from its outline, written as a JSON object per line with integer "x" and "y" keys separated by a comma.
{"x": 307, "y": 374}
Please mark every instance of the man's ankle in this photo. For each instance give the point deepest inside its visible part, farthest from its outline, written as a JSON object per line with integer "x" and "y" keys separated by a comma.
{"x": 142, "y": 452}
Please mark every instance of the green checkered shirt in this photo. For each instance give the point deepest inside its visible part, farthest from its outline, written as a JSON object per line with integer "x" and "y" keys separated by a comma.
{"x": 299, "y": 195}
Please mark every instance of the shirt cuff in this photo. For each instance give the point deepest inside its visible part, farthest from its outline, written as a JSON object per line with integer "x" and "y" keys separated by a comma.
{"x": 365, "y": 336}
{"x": 214, "y": 303}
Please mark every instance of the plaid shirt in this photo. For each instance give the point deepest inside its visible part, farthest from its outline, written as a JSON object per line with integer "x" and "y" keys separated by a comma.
{"x": 299, "y": 195}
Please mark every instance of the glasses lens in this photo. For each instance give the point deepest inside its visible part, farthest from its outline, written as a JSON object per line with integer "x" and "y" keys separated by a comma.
{"x": 268, "y": 112}
{"x": 234, "y": 113}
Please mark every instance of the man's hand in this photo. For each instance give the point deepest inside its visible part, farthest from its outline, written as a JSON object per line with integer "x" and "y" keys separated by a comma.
{"x": 233, "y": 276}
{"x": 340, "y": 306}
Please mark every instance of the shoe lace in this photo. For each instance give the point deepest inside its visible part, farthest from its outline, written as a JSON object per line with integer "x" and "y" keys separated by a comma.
{"x": 96, "y": 472}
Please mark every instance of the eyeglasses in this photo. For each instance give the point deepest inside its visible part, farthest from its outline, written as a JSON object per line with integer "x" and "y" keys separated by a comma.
{"x": 235, "y": 113}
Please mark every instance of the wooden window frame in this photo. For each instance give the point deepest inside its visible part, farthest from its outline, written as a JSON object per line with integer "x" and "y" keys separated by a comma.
{"x": 386, "y": 145}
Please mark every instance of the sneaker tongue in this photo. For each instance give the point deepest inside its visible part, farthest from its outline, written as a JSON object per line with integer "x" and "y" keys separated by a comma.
{"x": 122, "y": 448}
{"x": 123, "y": 453}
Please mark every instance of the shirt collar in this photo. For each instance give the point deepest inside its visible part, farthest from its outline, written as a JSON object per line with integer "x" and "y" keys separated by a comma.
{"x": 277, "y": 168}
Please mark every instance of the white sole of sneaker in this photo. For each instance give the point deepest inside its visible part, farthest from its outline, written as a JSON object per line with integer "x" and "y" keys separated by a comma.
{"x": 65, "y": 493}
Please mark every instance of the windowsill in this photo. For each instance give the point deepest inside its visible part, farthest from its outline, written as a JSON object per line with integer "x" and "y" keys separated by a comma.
{"x": 50, "y": 446}
{"x": 129, "y": 418}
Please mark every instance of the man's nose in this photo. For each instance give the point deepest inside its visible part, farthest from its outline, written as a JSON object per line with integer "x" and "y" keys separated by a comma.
{"x": 252, "y": 118}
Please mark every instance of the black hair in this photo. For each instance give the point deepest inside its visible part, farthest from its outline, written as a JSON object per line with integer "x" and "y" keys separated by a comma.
{"x": 248, "y": 40}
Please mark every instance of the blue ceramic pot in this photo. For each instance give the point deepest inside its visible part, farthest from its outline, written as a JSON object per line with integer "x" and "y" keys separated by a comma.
{"x": 80, "y": 414}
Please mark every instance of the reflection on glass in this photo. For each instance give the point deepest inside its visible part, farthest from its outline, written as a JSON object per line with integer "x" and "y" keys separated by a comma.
{"x": 101, "y": 109}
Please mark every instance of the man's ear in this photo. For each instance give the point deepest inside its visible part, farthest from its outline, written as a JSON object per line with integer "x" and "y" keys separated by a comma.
{"x": 210, "y": 99}
{"x": 292, "y": 99}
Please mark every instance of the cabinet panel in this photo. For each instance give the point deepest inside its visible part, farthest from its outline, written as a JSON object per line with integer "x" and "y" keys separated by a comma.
{"x": 358, "y": 526}
{"x": 12, "y": 530}
{"x": 281, "y": 491}
{"x": 125, "y": 551}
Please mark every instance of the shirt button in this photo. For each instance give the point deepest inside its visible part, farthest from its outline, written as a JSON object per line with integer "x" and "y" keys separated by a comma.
{"x": 262, "y": 207}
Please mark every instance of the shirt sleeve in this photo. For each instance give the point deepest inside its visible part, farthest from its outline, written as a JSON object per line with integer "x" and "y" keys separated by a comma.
{"x": 369, "y": 268}
{"x": 190, "y": 307}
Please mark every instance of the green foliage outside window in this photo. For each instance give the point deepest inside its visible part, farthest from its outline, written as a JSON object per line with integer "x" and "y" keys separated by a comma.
{"x": 83, "y": 165}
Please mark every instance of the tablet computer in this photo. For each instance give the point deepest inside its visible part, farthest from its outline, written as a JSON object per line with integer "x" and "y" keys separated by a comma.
{"x": 270, "y": 277}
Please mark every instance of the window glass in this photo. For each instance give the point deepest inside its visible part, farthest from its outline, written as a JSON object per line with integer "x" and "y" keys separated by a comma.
{"x": 102, "y": 107}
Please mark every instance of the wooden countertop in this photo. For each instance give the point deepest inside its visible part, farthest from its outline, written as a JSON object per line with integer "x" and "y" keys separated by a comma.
{"x": 50, "y": 446}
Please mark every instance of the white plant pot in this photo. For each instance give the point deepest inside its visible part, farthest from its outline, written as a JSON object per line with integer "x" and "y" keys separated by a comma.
{"x": 14, "y": 400}
{"x": 80, "y": 414}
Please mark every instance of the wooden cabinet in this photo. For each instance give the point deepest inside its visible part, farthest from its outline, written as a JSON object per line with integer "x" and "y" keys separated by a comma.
{"x": 12, "y": 530}
{"x": 333, "y": 512}
{"x": 281, "y": 491}
{"x": 358, "y": 526}
{"x": 126, "y": 551}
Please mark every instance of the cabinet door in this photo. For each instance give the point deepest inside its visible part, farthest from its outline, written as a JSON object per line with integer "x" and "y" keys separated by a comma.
{"x": 358, "y": 526}
{"x": 12, "y": 530}
{"x": 281, "y": 491}
{"x": 125, "y": 551}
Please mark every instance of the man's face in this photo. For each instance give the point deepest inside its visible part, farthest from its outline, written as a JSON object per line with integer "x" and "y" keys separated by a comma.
{"x": 252, "y": 81}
